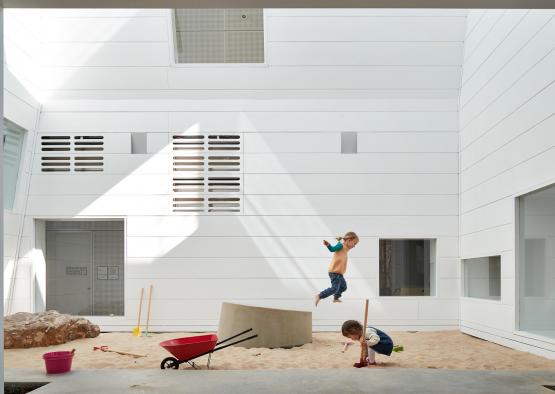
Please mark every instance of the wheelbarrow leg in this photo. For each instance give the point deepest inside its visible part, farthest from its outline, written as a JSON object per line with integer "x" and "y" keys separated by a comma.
{"x": 208, "y": 364}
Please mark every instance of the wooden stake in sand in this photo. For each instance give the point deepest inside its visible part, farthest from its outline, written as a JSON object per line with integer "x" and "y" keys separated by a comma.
{"x": 137, "y": 330}
{"x": 104, "y": 348}
{"x": 146, "y": 333}
{"x": 364, "y": 346}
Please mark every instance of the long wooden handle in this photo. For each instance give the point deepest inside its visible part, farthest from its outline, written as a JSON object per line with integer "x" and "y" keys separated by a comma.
{"x": 148, "y": 312}
{"x": 362, "y": 350}
{"x": 140, "y": 307}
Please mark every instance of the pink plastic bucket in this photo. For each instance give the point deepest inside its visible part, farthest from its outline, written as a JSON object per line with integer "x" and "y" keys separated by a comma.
{"x": 58, "y": 362}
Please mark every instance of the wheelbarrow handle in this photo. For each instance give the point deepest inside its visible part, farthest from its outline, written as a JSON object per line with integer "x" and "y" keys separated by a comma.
{"x": 233, "y": 337}
{"x": 234, "y": 343}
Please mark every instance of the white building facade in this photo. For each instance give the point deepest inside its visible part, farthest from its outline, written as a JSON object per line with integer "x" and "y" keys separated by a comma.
{"x": 218, "y": 182}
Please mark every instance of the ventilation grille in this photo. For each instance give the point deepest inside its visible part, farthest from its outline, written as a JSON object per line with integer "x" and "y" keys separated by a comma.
{"x": 224, "y": 142}
{"x": 56, "y": 143}
{"x": 87, "y": 143}
{"x": 188, "y": 143}
{"x": 224, "y": 163}
{"x": 55, "y": 164}
{"x": 207, "y": 173}
{"x": 64, "y": 154}
{"x": 188, "y": 163}
{"x": 188, "y": 204}
{"x": 219, "y": 35}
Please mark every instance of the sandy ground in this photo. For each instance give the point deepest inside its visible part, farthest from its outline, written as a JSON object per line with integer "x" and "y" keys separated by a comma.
{"x": 446, "y": 349}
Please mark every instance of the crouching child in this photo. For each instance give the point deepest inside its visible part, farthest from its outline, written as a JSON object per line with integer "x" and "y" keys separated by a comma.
{"x": 376, "y": 341}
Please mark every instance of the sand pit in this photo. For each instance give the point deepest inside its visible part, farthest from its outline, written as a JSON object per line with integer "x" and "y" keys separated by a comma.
{"x": 446, "y": 349}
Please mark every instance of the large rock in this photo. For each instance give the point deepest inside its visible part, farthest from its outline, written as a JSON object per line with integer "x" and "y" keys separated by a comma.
{"x": 276, "y": 328}
{"x": 24, "y": 330}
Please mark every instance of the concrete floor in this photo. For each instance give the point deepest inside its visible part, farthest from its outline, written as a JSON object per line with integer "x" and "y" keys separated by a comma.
{"x": 382, "y": 381}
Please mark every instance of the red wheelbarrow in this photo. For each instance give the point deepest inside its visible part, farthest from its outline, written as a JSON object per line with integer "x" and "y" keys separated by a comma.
{"x": 185, "y": 350}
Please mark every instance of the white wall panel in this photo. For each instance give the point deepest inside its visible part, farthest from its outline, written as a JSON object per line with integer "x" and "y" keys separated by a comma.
{"x": 507, "y": 52}
{"x": 536, "y": 171}
{"x": 500, "y": 31}
{"x": 475, "y": 38}
{"x": 316, "y": 77}
{"x": 95, "y": 205}
{"x": 323, "y": 226}
{"x": 350, "y": 205}
{"x": 134, "y": 54}
{"x": 103, "y": 122}
{"x": 390, "y": 142}
{"x": 358, "y": 12}
{"x": 336, "y": 163}
{"x": 243, "y": 288}
{"x": 506, "y": 149}
{"x": 349, "y": 184}
{"x": 365, "y": 53}
{"x": 313, "y": 121}
{"x": 239, "y": 247}
{"x": 108, "y": 29}
{"x": 366, "y": 29}
{"x": 516, "y": 103}
{"x": 253, "y": 267}
{"x": 99, "y": 184}
{"x": 93, "y": 78}
{"x": 519, "y": 149}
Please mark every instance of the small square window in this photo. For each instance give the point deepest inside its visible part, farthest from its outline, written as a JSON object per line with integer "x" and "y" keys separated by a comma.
{"x": 482, "y": 277}
{"x": 407, "y": 267}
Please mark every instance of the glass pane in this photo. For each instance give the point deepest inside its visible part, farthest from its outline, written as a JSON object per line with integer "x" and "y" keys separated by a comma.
{"x": 407, "y": 267}
{"x": 537, "y": 262}
{"x": 482, "y": 277}
{"x": 13, "y": 144}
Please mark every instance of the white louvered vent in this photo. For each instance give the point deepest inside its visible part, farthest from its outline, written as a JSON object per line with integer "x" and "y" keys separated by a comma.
{"x": 81, "y": 153}
{"x": 207, "y": 173}
{"x": 188, "y": 204}
{"x": 88, "y": 163}
{"x": 188, "y": 142}
{"x": 188, "y": 184}
{"x": 221, "y": 184}
{"x": 224, "y": 142}
{"x": 55, "y": 164}
{"x": 55, "y": 143}
{"x": 188, "y": 163}
{"x": 224, "y": 163}
{"x": 224, "y": 204}
{"x": 88, "y": 143}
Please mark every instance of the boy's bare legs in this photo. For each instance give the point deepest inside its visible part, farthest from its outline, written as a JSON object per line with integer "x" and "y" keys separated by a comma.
{"x": 317, "y": 299}
{"x": 371, "y": 357}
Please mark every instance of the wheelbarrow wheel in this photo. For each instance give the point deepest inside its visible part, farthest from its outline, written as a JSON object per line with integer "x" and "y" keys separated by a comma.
{"x": 169, "y": 362}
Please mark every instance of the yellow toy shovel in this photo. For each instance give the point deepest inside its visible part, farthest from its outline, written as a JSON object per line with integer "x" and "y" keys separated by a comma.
{"x": 137, "y": 330}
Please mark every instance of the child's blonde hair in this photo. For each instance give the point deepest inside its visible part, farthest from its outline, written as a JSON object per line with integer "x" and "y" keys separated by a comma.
{"x": 348, "y": 235}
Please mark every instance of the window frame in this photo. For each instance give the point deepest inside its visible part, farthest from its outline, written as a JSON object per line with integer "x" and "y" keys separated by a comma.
{"x": 434, "y": 271}
{"x": 463, "y": 280}
{"x": 172, "y": 40}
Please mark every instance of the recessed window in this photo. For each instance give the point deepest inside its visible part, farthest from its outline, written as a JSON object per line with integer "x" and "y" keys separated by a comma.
{"x": 407, "y": 267}
{"x": 219, "y": 35}
{"x": 348, "y": 142}
{"x": 13, "y": 143}
{"x": 536, "y": 262}
{"x": 482, "y": 277}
